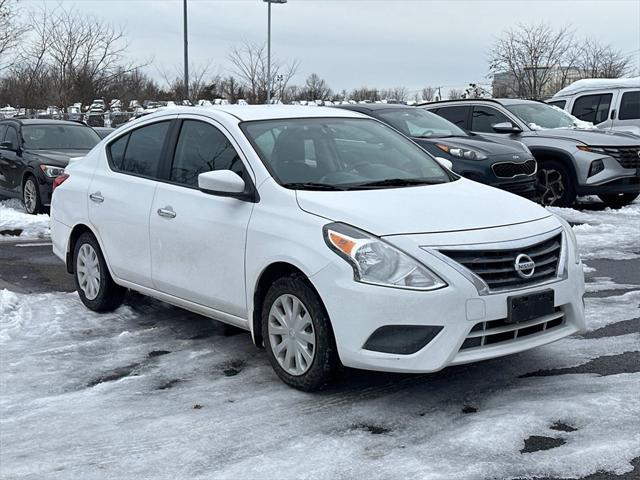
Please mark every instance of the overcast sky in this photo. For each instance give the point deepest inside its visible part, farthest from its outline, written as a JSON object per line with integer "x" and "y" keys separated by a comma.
{"x": 353, "y": 43}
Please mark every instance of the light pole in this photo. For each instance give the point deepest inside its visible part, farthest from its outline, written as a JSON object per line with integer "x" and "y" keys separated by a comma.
{"x": 186, "y": 51}
{"x": 269, "y": 46}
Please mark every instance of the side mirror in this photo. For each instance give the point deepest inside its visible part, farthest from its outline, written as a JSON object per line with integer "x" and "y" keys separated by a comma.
{"x": 6, "y": 146}
{"x": 445, "y": 163}
{"x": 506, "y": 127}
{"x": 223, "y": 183}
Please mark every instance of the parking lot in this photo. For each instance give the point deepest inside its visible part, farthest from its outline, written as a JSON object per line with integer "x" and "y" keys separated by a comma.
{"x": 190, "y": 398}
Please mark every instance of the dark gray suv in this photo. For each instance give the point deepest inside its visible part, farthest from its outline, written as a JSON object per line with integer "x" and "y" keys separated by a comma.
{"x": 573, "y": 159}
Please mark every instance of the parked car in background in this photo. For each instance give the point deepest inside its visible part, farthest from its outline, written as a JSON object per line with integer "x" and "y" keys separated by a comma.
{"x": 328, "y": 235}
{"x": 571, "y": 161}
{"x": 498, "y": 162}
{"x": 103, "y": 131}
{"x": 33, "y": 153}
{"x": 610, "y": 104}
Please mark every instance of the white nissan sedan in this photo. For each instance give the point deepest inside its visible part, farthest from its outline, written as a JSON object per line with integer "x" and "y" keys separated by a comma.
{"x": 328, "y": 235}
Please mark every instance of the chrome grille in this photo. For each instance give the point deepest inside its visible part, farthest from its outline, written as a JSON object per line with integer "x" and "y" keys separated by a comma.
{"x": 499, "y": 331}
{"x": 497, "y": 267}
{"x": 510, "y": 169}
{"x": 627, "y": 157}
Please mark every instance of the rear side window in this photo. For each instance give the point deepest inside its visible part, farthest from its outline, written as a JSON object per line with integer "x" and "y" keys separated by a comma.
{"x": 484, "y": 118}
{"x": 3, "y": 130}
{"x": 202, "y": 148}
{"x": 456, "y": 115}
{"x": 592, "y": 108}
{"x": 558, "y": 103}
{"x": 139, "y": 152}
{"x": 630, "y": 106}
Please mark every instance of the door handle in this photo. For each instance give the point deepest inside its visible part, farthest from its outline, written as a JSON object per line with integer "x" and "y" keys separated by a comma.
{"x": 96, "y": 197}
{"x": 167, "y": 212}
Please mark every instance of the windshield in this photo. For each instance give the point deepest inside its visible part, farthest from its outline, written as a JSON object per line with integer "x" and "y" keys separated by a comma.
{"x": 59, "y": 137}
{"x": 341, "y": 154}
{"x": 416, "y": 122}
{"x": 542, "y": 116}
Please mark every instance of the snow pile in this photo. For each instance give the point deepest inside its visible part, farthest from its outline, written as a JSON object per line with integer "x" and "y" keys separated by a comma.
{"x": 613, "y": 234}
{"x": 14, "y": 217}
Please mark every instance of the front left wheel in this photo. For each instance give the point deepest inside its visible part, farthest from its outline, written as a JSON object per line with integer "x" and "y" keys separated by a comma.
{"x": 298, "y": 336}
{"x": 94, "y": 284}
{"x": 31, "y": 196}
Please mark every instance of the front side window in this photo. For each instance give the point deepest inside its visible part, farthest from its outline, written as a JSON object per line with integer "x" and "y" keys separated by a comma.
{"x": 341, "y": 154}
{"x": 630, "y": 106}
{"x": 12, "y": 136}
{"x": 59, "y": 137}
{"x": 539, "y": 116}
{"x": 139, "y": 152}
{"x": 484, "y": 118}
{"x": 558, "y": 103}
{"x": 420, "y": 123}
{"x": 202, "y": 148}
{"x": 592, "y": 108}
{"x": 456, "y": 115}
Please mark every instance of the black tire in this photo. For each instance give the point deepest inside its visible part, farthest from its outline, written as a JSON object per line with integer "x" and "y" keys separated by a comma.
{"x": 31, "y": 196}
{"x": 618, "y": 200}
{"x": 326, "y": 363}
{"x": 555, "y": 184}
{"x": 110, "y": 295}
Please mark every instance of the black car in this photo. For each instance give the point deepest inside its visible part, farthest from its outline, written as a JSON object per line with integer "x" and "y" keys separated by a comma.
{"x": 508, "y": 165}
{"x": 103, "y": 131}
{"x": 34, "y": 152}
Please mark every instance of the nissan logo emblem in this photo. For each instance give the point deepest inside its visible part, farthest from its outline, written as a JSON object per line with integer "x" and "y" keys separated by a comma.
{"x": 524, "y": 266}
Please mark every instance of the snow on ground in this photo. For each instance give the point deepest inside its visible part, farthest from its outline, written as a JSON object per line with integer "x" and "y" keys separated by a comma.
{"x": 153, "y": 392}
{"x": 14, "y": 217}
{"x": 608, "y": 233}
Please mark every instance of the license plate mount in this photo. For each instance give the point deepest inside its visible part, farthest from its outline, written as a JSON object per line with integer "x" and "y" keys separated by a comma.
{"x": 522, "y": 308}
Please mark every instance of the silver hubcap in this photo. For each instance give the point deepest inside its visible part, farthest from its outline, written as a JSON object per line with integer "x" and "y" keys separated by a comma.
{"x": 30, "y": 196}
{"x": 291, "y": 334}
{"x": 551, "y": 186}
{"x": 88, "y": 271}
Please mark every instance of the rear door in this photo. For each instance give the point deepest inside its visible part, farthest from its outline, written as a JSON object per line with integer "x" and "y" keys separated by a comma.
{"x": 12, "y": 161}
{"x": 457, "y": 114}
{"x": 120, "y": 198}
{"x": 198, "y": 239}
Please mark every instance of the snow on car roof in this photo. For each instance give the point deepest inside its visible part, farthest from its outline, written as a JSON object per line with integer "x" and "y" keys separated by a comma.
{"x": 598, "y": 84}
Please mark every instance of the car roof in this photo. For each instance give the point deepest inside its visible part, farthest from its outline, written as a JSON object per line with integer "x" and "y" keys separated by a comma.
{"x": 371, "y": 107}
{"x": 42, "y": 121}
{"x": 500, "y": 101}
{"x": 261, "y": 112}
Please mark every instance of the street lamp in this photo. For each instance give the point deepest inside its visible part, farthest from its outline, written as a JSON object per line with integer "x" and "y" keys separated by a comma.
{"x": 186, "y": 50}
{"x": 269, "y": 47}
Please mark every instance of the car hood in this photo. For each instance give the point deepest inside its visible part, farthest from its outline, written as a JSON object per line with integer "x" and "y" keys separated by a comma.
{"x": 448, "y": 207}
{"x": 485, "y": 145}
{"x": 59, "y": 158}
{"x": 590, "y": 137}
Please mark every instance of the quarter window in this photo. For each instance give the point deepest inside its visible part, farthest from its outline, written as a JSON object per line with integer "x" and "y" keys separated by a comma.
{"x": 592, "y": 108}
{"x": 558, "y": 103}
{"x": 139, "y": 152}
{"x": 484, "y": 118}
{"x": 630, "y": 106}
{"x": 456, "y": 115}
{"x": 202, "y": 148}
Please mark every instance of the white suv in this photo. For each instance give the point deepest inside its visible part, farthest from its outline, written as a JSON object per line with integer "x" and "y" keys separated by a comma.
{"x": 328, "y": 235}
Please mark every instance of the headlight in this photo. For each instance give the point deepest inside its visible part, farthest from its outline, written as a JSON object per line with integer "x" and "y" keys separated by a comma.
{"x": 465, "y": 153}
{"x": 376, "y": 262}
{"x": 51, "y": 171}
{"x": 586, "y": 148}
{"x": 572, "y": 238}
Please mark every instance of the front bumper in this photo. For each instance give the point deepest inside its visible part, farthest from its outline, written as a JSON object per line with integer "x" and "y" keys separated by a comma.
{"x": 357, "y": 310}
{"x": 614, "y": 178}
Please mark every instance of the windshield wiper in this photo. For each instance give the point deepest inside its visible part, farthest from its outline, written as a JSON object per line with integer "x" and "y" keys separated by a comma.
{"x": 394, "y": 182}
{"x": 311, "y": 186}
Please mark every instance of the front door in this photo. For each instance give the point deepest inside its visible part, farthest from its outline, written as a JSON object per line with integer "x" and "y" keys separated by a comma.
{"x": 198, "y": 239}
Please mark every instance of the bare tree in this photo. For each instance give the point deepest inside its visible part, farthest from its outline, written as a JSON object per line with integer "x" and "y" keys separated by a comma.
{"x": 11, "y": 30}
{"x": 316, "y": 88}
{"x": 397, "y": 94}
{"x": 428, "y": 93}
{"x": 455, "y": 94}
{"x": 250, "y": 65}
{"x": 596, "y": 60}
{"x": 531, "y": 56}
{"x": 201, "y": 82}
